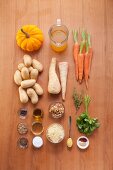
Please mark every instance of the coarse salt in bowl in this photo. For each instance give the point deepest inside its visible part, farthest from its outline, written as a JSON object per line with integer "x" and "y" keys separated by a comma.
{"x": 37, "y": 142}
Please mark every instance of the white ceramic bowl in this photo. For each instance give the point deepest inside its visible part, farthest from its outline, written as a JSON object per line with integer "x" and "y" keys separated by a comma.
{"x": 82, "y": 145}
{"x": 37, "y": 142}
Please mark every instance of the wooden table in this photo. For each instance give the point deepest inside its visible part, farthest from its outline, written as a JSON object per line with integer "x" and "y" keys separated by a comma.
{"x": 95, "y": 16}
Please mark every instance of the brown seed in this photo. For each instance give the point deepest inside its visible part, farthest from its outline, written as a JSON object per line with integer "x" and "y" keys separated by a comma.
{"x": 22, "y": 128}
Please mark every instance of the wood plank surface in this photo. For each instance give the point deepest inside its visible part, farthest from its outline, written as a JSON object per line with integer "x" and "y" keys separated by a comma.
{"x": 95, "y": 16}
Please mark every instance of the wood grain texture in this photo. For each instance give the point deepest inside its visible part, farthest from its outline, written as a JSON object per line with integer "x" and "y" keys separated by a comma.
{"x": 95, "y": 16}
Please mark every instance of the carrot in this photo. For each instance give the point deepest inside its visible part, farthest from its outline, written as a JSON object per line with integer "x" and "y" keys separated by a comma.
{"x": 86, "y": 65}
{"x": 84, "y": 41}
{"x": 90, "y": 52}
{"x": 81, "y": 62}
{"x": 75, "y": 52}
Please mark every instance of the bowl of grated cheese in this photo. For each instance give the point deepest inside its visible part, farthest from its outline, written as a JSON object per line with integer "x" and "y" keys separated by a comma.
{"x": 55, "y": 133}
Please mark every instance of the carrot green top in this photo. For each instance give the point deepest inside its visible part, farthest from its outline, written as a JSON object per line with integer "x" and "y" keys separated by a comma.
{"x": 89, "y": 40}
{"x": 83, "y": 35}
{"x": 81, "y": 46}
{"x": 87, "y": 46}
{"x": 75, "y": 36}
{"x": 83, "y": 42}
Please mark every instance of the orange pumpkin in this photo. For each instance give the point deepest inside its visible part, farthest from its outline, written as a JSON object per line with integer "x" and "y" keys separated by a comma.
{"x": 29, "y": 38}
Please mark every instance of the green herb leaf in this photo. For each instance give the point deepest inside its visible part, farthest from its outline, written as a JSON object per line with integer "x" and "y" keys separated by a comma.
{"x": 78, "y": 99}
{"x": 86, "y": 124}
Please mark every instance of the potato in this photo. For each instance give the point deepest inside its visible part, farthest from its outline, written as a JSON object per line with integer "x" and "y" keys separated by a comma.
{"x": 37, "y": 65}
{"x": 28, "y": 83}
{"x": 20, "y": 66}
{"x": 30, "y": 68}
{"x": 38, "y": 89}
{"x": 27, "y": 60}
{"x": 32, "y": 95}
{"x": 25, "y": 73}
{"x": 17, "y": 77}
{"x": 23, "y": 95}
{"x": 34, "y": 74}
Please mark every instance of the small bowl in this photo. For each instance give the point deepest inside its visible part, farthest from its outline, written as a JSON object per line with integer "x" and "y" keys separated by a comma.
{"x": 63, "y": 135}
{"x": 53, "y": 114}
{"x": 22, "y": 112}
{"x": 37, "y": 142}
{"x": 39, "y": 127}
{"x": 82, "y": 145}
{"x": 22, "y": 143}
{"x": 37, "y": 114}
{"x": 22, "y": 128}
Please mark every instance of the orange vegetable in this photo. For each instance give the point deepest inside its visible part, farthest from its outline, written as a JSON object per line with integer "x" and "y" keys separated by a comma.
{"x": 81, "y": 62}
{"x": 29, "y": 38}
{"x": 76, "y": 51}
{"x": 86, "y": 64}
{"x": 84, "y": 41}
{"x": 90, "y": 52}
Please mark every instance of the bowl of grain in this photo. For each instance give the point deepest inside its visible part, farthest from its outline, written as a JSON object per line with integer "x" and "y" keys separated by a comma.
{"x": 55, "y": 133}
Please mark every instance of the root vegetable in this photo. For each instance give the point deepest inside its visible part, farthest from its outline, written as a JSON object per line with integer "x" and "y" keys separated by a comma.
{"x": 30, "y": 68}
{"x": 20, "y": 66}
{"x": 34, "y": 74}
{"x": 81, "y": 63}
{"x": 54, "y": 86}
{"x": 17, "y": 77}
{"x": 90, "y": 52}
{"x": 38, "y": 89}
{"x": 63, "y": 68}
{"x": 25, "y": 73}
{"x": 27, "y": 60}
{"x": 28, "y": 83}
{"x": 23, "y": 95}
{"x": 32, "y": 95}
{"x": 84, "y": 37}
{"x": 37, "y": 65}
{"x": 86, "y": 65}
{"x": 75, "y": 52}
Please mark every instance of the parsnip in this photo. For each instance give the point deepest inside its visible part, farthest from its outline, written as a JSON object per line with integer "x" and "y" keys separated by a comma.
{"x": 63, "y": 68}
{"x": 54, "y": 86}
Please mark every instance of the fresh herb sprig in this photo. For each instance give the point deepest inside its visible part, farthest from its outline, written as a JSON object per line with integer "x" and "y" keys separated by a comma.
{"x": 86, "y": 124}
{"x": 78, "y": 99}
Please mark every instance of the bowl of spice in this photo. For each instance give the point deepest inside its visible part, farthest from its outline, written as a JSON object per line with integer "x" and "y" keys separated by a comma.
{"x": 82, "y": 142}
{"x": 22, "y": 128}
{"x": 22, "y": 142}
{"x": 56, "y": 110}
{"x": 22, "y": 113}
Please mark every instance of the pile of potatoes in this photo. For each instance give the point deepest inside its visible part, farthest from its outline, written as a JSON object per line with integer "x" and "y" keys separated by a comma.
{"x": 25, "y": 77}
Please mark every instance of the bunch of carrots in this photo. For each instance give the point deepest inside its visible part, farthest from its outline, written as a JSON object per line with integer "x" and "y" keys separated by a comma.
{"x": 83, "y": 54}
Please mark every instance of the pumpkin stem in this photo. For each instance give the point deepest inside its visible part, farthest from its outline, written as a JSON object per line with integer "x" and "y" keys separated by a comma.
{"x": 27, "y": 35}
